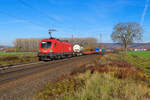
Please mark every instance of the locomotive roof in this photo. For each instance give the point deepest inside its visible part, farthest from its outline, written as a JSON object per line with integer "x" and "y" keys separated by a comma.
{"x": 47, "y": 39}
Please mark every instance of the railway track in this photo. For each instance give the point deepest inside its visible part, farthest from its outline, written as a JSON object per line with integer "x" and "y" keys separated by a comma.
{"x": 21, "y": 83}
{"x": 27, "y": 69}
{"x": 15, "y": 66}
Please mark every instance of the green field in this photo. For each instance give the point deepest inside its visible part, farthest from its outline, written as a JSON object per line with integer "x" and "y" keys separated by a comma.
{"x": 140, "y": 59}
{"x": 16, "y": 53}
{"x": 143, "y": 54}
{"x": 11, "y": 58}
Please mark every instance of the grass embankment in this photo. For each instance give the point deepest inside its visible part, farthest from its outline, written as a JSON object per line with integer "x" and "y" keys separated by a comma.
{"x": 19, "y": 58}
{"x": 140, "y": 59}
{"x": 142, "y": 54}
{"x": 111, "y": 77}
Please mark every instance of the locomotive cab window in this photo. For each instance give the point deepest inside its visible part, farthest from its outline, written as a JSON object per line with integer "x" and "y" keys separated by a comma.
{"x": 45, "y": 44}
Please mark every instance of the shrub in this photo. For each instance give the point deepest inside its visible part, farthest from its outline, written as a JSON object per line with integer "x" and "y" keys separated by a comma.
{"x": 65, "y": 86}
{"x": 107, "y": 87}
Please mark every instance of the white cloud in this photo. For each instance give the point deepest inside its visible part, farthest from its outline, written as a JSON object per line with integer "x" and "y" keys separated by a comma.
{"x": 144, "y": 12}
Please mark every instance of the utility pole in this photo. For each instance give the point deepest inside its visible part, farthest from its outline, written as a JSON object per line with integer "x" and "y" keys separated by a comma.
{"x": 100, "y": 38}
{"x": 72, "y": 38}
{"x": 50, "y": 32}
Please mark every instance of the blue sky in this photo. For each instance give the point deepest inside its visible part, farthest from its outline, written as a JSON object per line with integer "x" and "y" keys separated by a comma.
{"x": 83, "y": 18}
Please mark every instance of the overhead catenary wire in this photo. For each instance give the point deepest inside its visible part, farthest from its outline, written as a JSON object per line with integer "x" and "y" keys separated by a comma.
{"x": 36, "y": 10}
{"x": 42, "y": 13}
{"x": 27, "y": 21}
{"x": 39, "y": 11}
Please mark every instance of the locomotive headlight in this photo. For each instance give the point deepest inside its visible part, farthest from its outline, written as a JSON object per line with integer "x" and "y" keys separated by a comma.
{"x": 50, "y": 50}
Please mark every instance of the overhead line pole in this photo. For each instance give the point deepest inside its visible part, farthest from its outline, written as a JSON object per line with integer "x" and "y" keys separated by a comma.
{"x": 101, "y": 38}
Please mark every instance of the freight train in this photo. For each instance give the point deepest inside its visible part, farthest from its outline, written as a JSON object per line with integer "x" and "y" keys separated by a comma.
{"x": 50, "y": 49}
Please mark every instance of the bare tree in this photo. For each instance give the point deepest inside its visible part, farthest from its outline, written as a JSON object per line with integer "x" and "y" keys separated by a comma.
{"x": 127, "y": 33}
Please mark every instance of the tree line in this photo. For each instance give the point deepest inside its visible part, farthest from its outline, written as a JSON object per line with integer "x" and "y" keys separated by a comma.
{"x": 27, "y": 44}
{"x": 32, "y": 44}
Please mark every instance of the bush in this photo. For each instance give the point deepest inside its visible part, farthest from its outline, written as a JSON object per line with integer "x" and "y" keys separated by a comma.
{"x": 107, "y": 87}
{"x": 63, "y": 86}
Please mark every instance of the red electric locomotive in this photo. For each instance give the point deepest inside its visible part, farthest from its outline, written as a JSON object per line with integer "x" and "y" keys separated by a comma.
{"x": 52, "y": 48}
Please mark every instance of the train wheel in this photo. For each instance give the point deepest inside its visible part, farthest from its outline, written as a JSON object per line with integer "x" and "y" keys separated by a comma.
{"x": 70, "y": 56}
{"x": 62, "y": 57}
{"x": 40, "y": 59}
{"x": 58, "y": 57}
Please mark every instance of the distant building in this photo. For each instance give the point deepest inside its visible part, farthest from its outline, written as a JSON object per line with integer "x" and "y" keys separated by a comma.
{"x": 140, "y": 49}
{"x": 1, "y": 49}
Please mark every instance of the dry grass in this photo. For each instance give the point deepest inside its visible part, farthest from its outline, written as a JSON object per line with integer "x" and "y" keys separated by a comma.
{"x": 6, "y": 60}
{"x": 108, "y": 87}
{"x": 110, "y": 77}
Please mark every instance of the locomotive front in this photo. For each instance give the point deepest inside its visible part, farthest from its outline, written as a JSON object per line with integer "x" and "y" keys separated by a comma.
{"x": 50, "y": 49}
{"x": 45, "y": 50}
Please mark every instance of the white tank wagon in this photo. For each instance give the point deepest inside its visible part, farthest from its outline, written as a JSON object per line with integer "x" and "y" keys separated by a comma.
{"x": 77, "y": 49}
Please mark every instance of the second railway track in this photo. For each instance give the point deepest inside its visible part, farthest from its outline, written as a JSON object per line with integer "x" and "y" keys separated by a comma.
{"x": 24, "y": 83}
{"x": 28, "y": 69}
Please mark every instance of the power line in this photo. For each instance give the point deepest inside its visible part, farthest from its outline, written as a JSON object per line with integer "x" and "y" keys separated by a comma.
{"x": 41, "y": 12}
{"x": 37, "y": 10}
{"x": 12, "y": 16}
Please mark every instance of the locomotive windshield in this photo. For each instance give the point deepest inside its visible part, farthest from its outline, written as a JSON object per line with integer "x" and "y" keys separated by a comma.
{"x": 46, "y": 44}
